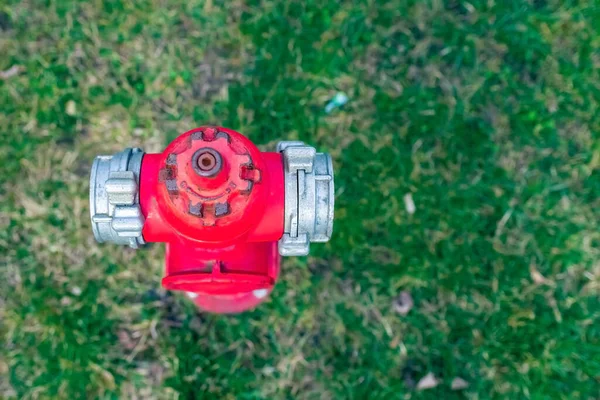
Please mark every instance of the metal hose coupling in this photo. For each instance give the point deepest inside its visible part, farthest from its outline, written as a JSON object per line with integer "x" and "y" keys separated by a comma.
{"x": 114, "y": 198}
{"x": 309, "y": 198}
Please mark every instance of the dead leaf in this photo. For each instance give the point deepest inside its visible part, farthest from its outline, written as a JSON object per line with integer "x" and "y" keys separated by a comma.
{"x": 536, "y": 276}
{"x": 429, "y": 381}
{"x": 157, "y": 373}
{"x": 107, "y": 378}
{"x": 126, "y": 340}
{"x": 65, "y": 301}
{"x": 71, "y": 108}
{"x": 403, "y": 303}
{"x": 12, "y": 71}
{"x": 459, "y": 383}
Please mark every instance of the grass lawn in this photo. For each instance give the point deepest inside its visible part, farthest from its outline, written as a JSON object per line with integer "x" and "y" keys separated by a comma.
{"x": 486, "y": 112}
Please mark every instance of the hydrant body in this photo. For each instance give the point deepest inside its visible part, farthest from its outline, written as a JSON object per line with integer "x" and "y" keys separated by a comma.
{"x": 225, "y": 210}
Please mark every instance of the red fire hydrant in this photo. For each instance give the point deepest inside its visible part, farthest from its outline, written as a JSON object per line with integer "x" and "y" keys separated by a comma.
{"x": 225, "y": 210}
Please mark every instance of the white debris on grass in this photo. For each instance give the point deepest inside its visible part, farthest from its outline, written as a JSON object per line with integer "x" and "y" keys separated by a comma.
{"x": 459, "y": 383}
{"x": 409, "y": 203}
{"x": 403, "y": 303}
{"x": 429, "y": 381}
{"x": 337, "y": 101}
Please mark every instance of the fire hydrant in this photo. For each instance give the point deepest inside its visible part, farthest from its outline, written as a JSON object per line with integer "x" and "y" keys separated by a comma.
{"x": 225, "y": 210}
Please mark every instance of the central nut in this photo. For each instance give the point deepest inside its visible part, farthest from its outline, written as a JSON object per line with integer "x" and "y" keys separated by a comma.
{"x": 207, "y": 162}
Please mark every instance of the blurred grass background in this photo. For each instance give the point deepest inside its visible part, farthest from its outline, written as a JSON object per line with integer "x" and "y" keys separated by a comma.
{"x": 485, "y": 112}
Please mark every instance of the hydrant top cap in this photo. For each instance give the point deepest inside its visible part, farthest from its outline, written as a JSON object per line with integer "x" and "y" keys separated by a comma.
{"x": 211, "y": 182}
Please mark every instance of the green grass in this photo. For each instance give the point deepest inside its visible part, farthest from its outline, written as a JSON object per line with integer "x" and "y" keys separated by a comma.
{"x": 487, "y": 112}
